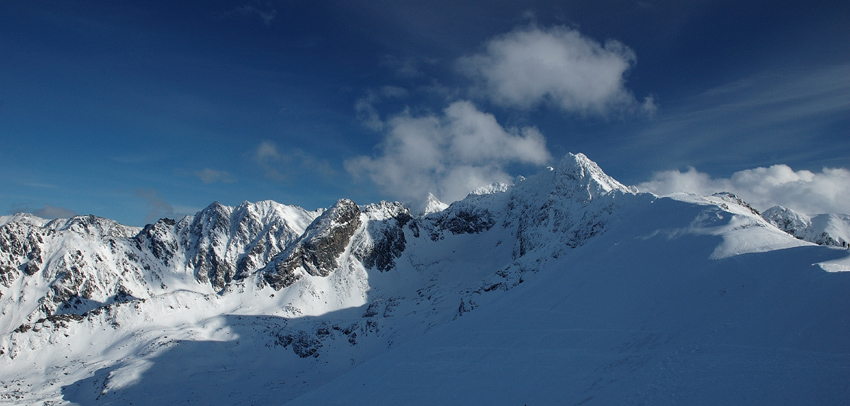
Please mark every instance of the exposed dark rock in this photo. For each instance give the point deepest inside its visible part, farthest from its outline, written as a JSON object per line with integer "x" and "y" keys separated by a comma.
{"x": 320, "y": 246}
{"x": 461, "y": 219}
{"x": 30, "y": 268}
{"x": 210, "y": 229}
{"x": 157, "y": 239}
{"x": 389, "y": 243}
{"x": 414, "y": 228}
{"x": 303, "y": 343}
{"x": 733, "y": 198}
{"x": 8, "y": 275}
{"x": 467, "y": 221}
{"x": 54, "y": 322}
{"x": 374, "y": 308}
{"x": 21, "y": 248}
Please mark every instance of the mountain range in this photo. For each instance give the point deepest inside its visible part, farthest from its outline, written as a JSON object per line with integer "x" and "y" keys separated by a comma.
{"x": 566, "y": 287}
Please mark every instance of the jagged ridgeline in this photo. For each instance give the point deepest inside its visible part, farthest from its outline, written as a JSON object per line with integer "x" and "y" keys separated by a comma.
{"x": 86, "y": 262}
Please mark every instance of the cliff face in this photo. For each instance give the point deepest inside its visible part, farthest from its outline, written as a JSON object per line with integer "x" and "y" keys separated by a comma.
{"x": 317, "y": 250}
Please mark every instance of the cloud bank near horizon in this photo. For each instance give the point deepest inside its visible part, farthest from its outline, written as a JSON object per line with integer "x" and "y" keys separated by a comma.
{"x": 805, "y": 191}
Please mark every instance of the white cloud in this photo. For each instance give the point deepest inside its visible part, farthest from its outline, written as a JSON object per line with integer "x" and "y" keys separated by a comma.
{"x": 212, "y": 176}
{"x": 266, "y": 150}
{"x": 558, "y": 66}
{"x": 448, "y": 155}
{"x": 809, "y": 192}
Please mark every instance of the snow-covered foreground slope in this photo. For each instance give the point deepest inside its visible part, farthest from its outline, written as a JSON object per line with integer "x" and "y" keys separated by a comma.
{"x": 567, "y": 288}
{"x": 639, "y": 315}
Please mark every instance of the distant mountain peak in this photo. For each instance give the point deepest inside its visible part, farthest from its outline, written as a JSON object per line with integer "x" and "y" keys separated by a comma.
{"x": 576, "y": 172}
{"x": 430, "y": 205}
{"x": 821, "y": 229}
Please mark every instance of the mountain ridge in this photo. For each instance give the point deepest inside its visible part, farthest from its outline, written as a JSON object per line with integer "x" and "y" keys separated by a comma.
{"x": 316, "y": 296}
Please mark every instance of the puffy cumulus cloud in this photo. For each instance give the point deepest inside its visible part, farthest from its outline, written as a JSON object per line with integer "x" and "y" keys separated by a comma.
{"x": 559, "y": 66}
{"x": 808, "y": 192}
{"x": 212, "y": 176}
{"x": 449, "y": 154}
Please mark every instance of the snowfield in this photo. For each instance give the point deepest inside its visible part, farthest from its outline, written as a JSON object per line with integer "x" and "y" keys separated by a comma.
{"x": 565, "y": 288}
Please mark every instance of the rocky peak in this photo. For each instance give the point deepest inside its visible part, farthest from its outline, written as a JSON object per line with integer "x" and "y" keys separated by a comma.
{"x": 215, "y": 217}
{"x": 574, "y": 201}
{"x": 496, "y": 187}
{"x": 385, "y": 210}
{"x": 383, "y": 240}
{"x": 97, "y": 227}
{"x": 318, "y": 249}
{"x": 786, "y": 219}
{"x": 227, "y": 243}
{"x": 24, "y": 219}
{"x": 821, "y": 229}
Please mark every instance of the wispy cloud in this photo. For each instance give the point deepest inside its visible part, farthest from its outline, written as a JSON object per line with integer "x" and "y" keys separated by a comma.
{"x": 157, "y": 207}
{"x": 212, "y": 176}
{"x": 448, "y": 154}
{"x": 557, "y": 66}
{"x": 266, "y": 12}
{"x": 281, "y": 166}
{"x": 827, "y": 191}
{"x": 365, "y": 108}
{"x": 406, "y": 66}
{"x": 778, "y": 113}
{"x": 136, "y": 158}
{"x": 47, "y": 212}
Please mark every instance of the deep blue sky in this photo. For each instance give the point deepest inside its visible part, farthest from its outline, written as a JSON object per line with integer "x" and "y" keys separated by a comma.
{"x": 136, "y": 110}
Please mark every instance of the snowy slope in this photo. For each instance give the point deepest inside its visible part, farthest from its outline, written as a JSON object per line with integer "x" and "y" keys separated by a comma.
{"x": 565, "y": 288}
{"x": 639, "y": 315}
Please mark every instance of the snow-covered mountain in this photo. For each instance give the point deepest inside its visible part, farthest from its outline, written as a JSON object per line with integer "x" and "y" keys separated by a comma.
{"x": 821, "y": 229}
{"x": 565, "y": 288}
{"x": 84, "y": 263}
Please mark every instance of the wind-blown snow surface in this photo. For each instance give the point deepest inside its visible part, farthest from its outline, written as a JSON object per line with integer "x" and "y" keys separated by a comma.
{"x": 567, "y": 288}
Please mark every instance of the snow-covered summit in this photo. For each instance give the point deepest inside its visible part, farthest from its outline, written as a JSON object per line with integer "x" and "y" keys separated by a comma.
{"x": 821, "y": 229}
{"x": 430, "y": 205}
{"x": 497, "y": 187}
{"x": 579, "y": 172}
